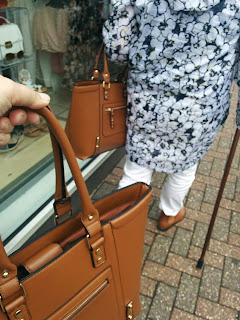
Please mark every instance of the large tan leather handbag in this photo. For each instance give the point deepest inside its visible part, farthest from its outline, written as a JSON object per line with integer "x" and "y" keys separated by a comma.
{"x": 88, "y": 267}
{"x": 97, "y": 117}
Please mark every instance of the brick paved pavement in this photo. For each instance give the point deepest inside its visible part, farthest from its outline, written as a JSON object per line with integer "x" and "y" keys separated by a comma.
{"x": 172, "y": 288}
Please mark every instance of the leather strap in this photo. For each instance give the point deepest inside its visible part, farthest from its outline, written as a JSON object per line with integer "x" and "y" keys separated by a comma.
{"x": 11, "y": 293}
{"x": 105, "y": 73}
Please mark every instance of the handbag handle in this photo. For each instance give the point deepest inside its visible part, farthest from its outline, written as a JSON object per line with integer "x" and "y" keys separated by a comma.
{"x": 105, "y": 73}
{"x": 9, "y": 284}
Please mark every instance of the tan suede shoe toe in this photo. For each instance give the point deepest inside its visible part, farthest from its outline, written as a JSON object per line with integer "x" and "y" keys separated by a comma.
{"x": 165, "y": 222}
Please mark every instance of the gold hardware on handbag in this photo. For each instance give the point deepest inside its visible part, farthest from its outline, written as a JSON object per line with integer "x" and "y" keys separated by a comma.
{"x": 88, "y": 266}
{"x": 87, "y": 117}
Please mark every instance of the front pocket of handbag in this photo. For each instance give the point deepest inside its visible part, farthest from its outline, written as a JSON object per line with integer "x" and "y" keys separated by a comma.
{"x": 114, "y": 118}
{"x": 97, "y": 300}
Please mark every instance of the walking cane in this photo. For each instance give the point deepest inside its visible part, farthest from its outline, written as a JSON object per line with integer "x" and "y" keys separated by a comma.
{"x": 219, "y": 197}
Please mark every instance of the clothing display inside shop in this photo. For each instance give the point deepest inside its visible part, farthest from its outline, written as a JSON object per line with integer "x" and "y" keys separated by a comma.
{"x": 60, "y": 41}
{"x": 85, "y": 38}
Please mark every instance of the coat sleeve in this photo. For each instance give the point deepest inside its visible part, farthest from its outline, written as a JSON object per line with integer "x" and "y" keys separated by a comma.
{"x": 237, "y": 80}
{"x": 119, "y": 31}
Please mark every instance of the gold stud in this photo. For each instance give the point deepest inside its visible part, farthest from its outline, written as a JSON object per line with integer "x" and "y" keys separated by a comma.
{"x": 99, "y": 260}
{"x": 5, "y": 274}
{"x": 98, "y": 251}
{"x": 90, "y": 218}
{"x": 18, "y": 314}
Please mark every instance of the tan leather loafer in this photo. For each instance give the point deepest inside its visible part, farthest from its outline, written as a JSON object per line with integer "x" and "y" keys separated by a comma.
{"x": 165, "y": 222}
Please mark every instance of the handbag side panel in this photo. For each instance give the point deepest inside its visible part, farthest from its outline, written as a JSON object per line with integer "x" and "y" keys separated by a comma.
{"x": 71, "y": 288}
{"x": 128, "y": 232}
{"x": 82, "y": 126}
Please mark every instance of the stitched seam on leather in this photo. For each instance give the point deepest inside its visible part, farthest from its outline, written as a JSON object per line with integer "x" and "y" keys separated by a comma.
{"x": 17, "y": 282}
{"x": 120, "y": 278}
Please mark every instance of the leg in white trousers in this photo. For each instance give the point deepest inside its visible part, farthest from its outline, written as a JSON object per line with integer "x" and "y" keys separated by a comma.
{"x": 173, "y": 191}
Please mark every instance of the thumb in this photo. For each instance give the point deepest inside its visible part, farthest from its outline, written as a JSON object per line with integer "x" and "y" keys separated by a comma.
{"x": 23, "y": 96}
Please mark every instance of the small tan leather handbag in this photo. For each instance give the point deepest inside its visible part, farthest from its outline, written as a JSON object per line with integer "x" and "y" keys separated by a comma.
{"x": 97, "y": 117}
{"x": 88, "y": 266}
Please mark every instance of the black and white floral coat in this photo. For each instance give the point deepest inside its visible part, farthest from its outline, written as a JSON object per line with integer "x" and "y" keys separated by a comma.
{"x": 182, "y": 57}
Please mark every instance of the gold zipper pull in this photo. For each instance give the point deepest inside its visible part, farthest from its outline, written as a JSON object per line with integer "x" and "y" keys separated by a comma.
{"x": 112, "y": 118}
{"x": 130, "y": 311}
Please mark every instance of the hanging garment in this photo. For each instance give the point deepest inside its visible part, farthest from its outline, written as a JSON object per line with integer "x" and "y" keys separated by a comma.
{"x": 85, "y": 37}
{"x": 182, "y": 60}
{"x": 51, "y": 29}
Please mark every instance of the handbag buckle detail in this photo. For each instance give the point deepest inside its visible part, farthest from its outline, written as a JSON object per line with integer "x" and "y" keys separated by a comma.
{"x": 58, "y": 220}
{"x": 130, "y": 310}
{"x": 97, "y": 254}
{"x": 1, "y": 299}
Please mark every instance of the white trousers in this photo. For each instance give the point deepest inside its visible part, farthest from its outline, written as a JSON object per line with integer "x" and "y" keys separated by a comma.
{"x": 174, "y": 190}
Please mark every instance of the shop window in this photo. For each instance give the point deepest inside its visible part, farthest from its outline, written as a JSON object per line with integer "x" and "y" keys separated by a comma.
{"x": 58, "y": 41}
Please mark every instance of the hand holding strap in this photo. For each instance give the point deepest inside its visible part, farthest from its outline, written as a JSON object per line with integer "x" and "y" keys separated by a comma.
{"x": 11, "y": 293}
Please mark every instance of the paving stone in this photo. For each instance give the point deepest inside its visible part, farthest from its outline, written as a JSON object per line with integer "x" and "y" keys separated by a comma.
{"x": 187, "y": 224}
{"x": 154, "y": 212}
{"x": 230, "y": 299}
{"x": 158, "y": 179}
{"x": 161, "y": 273}
{"x": 198, "y": 216}
{"x": 199, "y": 234}
{"x": 231, "y": 274}
{"x": 211, "y": 283}
{"x": 112, "y": 179}
{"x": 181, "y": 242}
{"x": 198, "y": 186}
{"x": 218, "y": 165}
{"x": 224, "y": 249}
{"x": 234, "y": 239}
{"x": 210, "y": 195}
{"x": 214, "y": 145}
{"x": 208, "y": 158}
{"x": 152, "y": 226}
{"x": 145, "y": 302}
{"x": 238, "y": 185}
{"x": 235, "y": 162}
{"x": 117, "y": 172}
{"x": 194, "y": 200}
{"x": 182, "y": 315}
{"x": 146, "y": 249}
{"x": 104, "y": 189}
{"x": 159, "y": 249}
{"x": 187, "y": 293}
{"x": 162, "y": 303}
{"x": 183, "y": 264}
{"x": 211, "y": 258}
{"x": 221, "y": 229}
{"x": 204, "y": 168}
{"x": 235, "y": 223}
{"x": 211, "y": 310}
{"x": 156, "y": 192}
{"x": 148, "y": 286}
{"x": 149, "y": 237}
{"x": 208, "y": 180}
{"x": 224, "y": 142}
{"x": 229, "y": 190}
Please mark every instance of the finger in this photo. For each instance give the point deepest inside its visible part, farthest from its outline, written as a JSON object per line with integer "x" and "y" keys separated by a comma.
{"x": 33, "y": 117}
{"x": 4, "y": 138}
{"x": 24, "y": 96}
{"x": 17, "y": 117}
{"x": 5, "y": 125}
